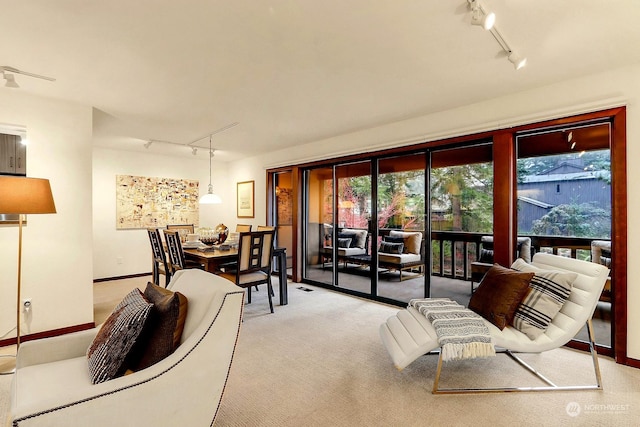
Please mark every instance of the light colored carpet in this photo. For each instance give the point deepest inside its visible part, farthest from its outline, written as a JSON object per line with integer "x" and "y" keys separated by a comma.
{"x": 319, "y": 362}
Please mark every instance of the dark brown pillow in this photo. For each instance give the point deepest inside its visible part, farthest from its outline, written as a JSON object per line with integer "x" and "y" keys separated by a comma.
{"x": 113, "y": 344}
{"x": 163, "y": 330}
{"x": 499, "y": 294}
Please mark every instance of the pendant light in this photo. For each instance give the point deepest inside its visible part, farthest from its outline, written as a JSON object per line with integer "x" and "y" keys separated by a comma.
{"x": 210, "y": 198}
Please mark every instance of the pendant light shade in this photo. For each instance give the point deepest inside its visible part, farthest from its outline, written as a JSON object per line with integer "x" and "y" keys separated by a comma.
{"x": 210, "y": 198}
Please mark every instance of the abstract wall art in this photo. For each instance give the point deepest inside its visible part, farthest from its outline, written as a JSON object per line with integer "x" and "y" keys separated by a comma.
{"x": 143, "y": 202}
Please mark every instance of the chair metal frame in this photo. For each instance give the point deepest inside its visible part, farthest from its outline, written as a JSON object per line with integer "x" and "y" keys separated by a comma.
{"x": 409, "y": 334}
{"x": 551, "y": 386}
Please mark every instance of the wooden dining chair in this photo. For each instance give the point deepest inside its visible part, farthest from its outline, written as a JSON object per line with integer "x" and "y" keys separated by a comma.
{"x": 268, "y": 228}
{"x": 182, "y": 229}
{"x": 159, "y": 257}
{"x": 177, "y": 261}
{"x": 255, "y": 252}
{"x": 231, "y": 266}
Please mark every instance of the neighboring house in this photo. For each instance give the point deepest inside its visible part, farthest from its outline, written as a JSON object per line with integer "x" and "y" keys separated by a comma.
{"x": 566, "y": 183}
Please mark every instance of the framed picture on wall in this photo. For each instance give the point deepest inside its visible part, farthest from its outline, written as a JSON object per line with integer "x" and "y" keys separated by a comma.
{"x": 246, "y": 199}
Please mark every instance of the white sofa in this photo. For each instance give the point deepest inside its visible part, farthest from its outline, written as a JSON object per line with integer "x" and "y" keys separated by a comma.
{"x": 51, "y": 386}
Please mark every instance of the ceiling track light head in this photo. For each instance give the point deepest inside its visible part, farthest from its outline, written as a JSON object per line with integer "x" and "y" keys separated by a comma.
{"x": 10, "y": 80}
{"x": 148, "y": 144}
{"x": 481, "y": 17}
{"x": 194, "y": 150}
{"x": 517, "y": 60}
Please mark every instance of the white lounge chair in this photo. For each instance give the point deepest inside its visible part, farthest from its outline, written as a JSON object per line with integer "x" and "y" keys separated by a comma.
{"x": 409, "y": 335}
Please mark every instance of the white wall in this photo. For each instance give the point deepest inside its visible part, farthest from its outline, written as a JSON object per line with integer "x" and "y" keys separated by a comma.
{"x": 132, "y": 246}
{"x": 56, "y": 258}
{"x": 590, "y": 93}
{"x": 64, "y": 252}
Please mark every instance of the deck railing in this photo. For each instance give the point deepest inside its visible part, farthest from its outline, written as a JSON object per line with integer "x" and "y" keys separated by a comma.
{"x": 454, "y": 251}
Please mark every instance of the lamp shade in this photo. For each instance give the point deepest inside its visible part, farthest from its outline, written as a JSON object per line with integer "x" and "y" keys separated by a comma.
{"x": 210, "y": 199}
{"x": 22, "y": 195}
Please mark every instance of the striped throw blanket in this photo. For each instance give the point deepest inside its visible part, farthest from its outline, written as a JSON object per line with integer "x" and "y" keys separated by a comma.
{"x": 462, "y": 333}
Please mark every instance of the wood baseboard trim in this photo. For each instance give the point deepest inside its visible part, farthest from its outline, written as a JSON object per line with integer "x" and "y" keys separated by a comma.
{"x": 48, "y": 334}
{"x": 634, "y": 363}
{"x": 129, "y": 276}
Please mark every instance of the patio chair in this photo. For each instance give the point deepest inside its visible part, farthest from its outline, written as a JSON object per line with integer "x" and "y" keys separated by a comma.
{"x": 408, "y": 335}
{"x": 485, "y": 257}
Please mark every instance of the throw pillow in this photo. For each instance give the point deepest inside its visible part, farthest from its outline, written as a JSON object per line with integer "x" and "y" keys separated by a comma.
{"x": 499, "y": 294}
{"x": 110, "y": 347}
{"x": 162, "y": 332}
{"x": 351, "y": 236}
{"x": 391, "y": 248}
{"x": 412, "y": 240}
{"x": 359, "y": 237}
{"x": 486, "y": 256}
{"x": 344, "y": 242}
{"x": 548, "y": 291}
{"x": 392, "y": 239}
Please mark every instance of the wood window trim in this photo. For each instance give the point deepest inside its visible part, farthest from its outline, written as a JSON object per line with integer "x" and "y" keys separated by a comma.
{"x": 617, "y": 117}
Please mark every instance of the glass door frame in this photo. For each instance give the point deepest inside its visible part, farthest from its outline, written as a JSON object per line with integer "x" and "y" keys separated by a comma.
{"x": 505, "y": 198}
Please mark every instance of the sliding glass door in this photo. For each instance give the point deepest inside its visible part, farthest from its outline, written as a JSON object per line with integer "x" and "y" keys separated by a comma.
{"x": 557, "y": 186}
{"x": 318, "y": 208}
{"x": 565, "y": 203}
{"x": 402, "y": 237}
{"x": 461, "y": 196}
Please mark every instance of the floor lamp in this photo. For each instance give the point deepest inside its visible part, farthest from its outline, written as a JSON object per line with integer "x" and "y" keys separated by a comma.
{"x": 22, "y": 196}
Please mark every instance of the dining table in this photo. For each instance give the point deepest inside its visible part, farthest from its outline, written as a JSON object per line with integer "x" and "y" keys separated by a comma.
{"x": 212, "y": 260}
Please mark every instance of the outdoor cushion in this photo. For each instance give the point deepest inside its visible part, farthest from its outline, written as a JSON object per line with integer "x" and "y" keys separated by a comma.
{"x": 412, "y": 240}
{"x": 360, "y": 238}
{"x": 398, "y": 258}
{"x": 391, "y": 248}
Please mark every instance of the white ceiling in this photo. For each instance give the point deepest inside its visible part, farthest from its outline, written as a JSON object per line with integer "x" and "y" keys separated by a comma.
{"x": 295, "y": 71}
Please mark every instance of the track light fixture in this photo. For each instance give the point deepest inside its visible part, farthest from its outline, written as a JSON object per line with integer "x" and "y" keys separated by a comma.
{"x": 480, "y": 17}
{"x": 517, "y": 61}
{"x": 210, "y": 198}
{"x": 487, "y": 20}
{"x": 10, "y": 80}
{"x": 194, "y": 149}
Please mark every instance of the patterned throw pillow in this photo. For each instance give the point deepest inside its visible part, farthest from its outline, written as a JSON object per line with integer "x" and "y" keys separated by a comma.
{"x": 110, "y": 347}
{"x": 344, "y": 242}
{"x": 350, "y": 236}
{"x": 391, "y": 248}
{"x": 499, "y": 294}
{"x": 548, "y": 291}
{"x": 162, "y": 331}
{"x": 392, "y": 239}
